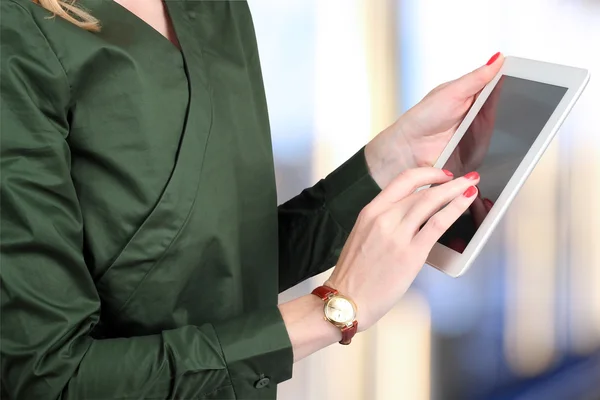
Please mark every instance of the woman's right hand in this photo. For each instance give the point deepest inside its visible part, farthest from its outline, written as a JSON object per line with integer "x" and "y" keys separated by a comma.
{"x": 393, "y": 236}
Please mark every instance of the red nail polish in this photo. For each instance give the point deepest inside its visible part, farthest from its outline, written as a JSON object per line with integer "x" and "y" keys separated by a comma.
{"x": 493, "y": 59}
{"x": 488, "y": 203}
{"x": 448, "y": 172}
{"x": 470, "y": 192}
{"x": 472, "y": 176}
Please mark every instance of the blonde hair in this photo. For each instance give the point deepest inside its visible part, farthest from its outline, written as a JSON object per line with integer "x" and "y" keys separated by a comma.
{"x": 68, "y": 10}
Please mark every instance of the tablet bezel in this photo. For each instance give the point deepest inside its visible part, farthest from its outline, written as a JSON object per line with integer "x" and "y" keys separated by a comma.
{"x": 574, "y": 79}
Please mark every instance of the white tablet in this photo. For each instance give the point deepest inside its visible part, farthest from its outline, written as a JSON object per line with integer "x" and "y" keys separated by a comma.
{"x": 502, "y": 137}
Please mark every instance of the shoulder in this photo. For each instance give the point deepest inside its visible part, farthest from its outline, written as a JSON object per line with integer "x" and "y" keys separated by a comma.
{"x": 33, "y": 34}
{"x": 23, "y": 20}
{"x": 20, "y": 29}
{"x": 27, "y": 55}
{"x": 15, "y": 11}
{"x": 30, "y": 21}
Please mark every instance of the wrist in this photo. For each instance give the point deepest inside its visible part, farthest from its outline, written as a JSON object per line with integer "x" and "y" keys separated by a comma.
{"x": 389, "y": 154}
{"x": 362, "y": 309}
{"x": 339, "y": 310}
{"x": 307, "y": 329}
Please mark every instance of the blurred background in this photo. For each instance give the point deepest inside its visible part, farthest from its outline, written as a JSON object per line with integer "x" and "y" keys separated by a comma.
{"x": 524, "y": 323}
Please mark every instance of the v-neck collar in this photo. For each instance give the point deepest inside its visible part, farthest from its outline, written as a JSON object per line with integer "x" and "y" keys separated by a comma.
{"x": 159, "y": 36}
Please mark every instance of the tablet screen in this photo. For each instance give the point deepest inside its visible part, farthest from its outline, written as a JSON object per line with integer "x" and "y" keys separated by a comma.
{"x": 495, "y": 144}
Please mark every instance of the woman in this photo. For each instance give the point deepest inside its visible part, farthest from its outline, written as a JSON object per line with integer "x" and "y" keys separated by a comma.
{"x": 142, "y": 246}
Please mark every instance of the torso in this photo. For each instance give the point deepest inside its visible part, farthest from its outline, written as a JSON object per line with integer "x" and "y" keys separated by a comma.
{"x": 172, "y": 162}
{"x": 163, "y": 169}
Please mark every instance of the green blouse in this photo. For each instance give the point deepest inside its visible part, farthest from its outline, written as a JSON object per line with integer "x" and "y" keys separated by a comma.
{"x": 142, "y": 246}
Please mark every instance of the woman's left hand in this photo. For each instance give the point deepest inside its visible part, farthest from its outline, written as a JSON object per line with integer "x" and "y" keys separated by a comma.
{"x": 419, "y": 136}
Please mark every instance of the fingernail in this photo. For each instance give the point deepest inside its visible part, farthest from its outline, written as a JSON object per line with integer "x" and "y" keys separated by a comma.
{"x": 470, "y": 192}
{"x": 493, "y": 59}
{"x": 472, "y": 176}
{"x": 448, "y": 172}
{"x": 488, "y": 203}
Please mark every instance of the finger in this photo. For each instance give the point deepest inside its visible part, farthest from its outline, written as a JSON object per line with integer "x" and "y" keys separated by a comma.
{"x": 490, "y": 107}
{"x": 442, "y": 220}
{"x": 409, "y": 181}
{"x": 490, "y": 104}
{"x": 478, "y": 211}
{"x": 457, "y": 244}
{"x": 429, "y": 201}
{"x": 488, "y": 204}
{"x": 473, "y": 82}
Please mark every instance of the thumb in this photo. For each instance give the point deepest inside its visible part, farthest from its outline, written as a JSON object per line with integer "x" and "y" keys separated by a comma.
{"x": 472, "y": 83}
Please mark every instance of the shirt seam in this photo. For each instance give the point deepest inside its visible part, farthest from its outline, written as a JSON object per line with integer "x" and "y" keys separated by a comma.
{"x": 41, "y": 32}
{"x": 203, "y": 395}
{"x": 226, "y": 364}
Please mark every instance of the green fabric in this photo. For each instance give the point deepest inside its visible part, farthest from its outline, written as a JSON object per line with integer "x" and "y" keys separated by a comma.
{"x": 142, "y": 246}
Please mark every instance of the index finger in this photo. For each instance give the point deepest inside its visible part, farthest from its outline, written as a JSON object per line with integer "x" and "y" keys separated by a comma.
{"x": 409, "y": 181}
{"x": 471, "y": 83}
{"x": 478, "y": 211}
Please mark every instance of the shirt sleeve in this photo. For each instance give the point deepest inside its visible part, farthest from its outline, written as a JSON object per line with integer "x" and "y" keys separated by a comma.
{"x": 314, "y": 225}
{"x": 49, "y": 302}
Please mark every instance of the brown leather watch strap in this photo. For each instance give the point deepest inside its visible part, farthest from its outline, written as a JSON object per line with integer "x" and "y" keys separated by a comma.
{"x": 323, "y": 292}
{"x": 348, "y": 333}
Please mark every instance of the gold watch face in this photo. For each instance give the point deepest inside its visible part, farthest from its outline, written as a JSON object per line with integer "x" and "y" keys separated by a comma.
{"x": 340, "y": 310}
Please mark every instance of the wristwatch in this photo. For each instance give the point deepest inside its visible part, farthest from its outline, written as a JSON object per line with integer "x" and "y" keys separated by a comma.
{"x": 340, "y": 311}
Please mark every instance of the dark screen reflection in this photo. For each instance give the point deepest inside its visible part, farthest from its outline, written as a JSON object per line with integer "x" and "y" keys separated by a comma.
{"x": 495, "y": 144}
